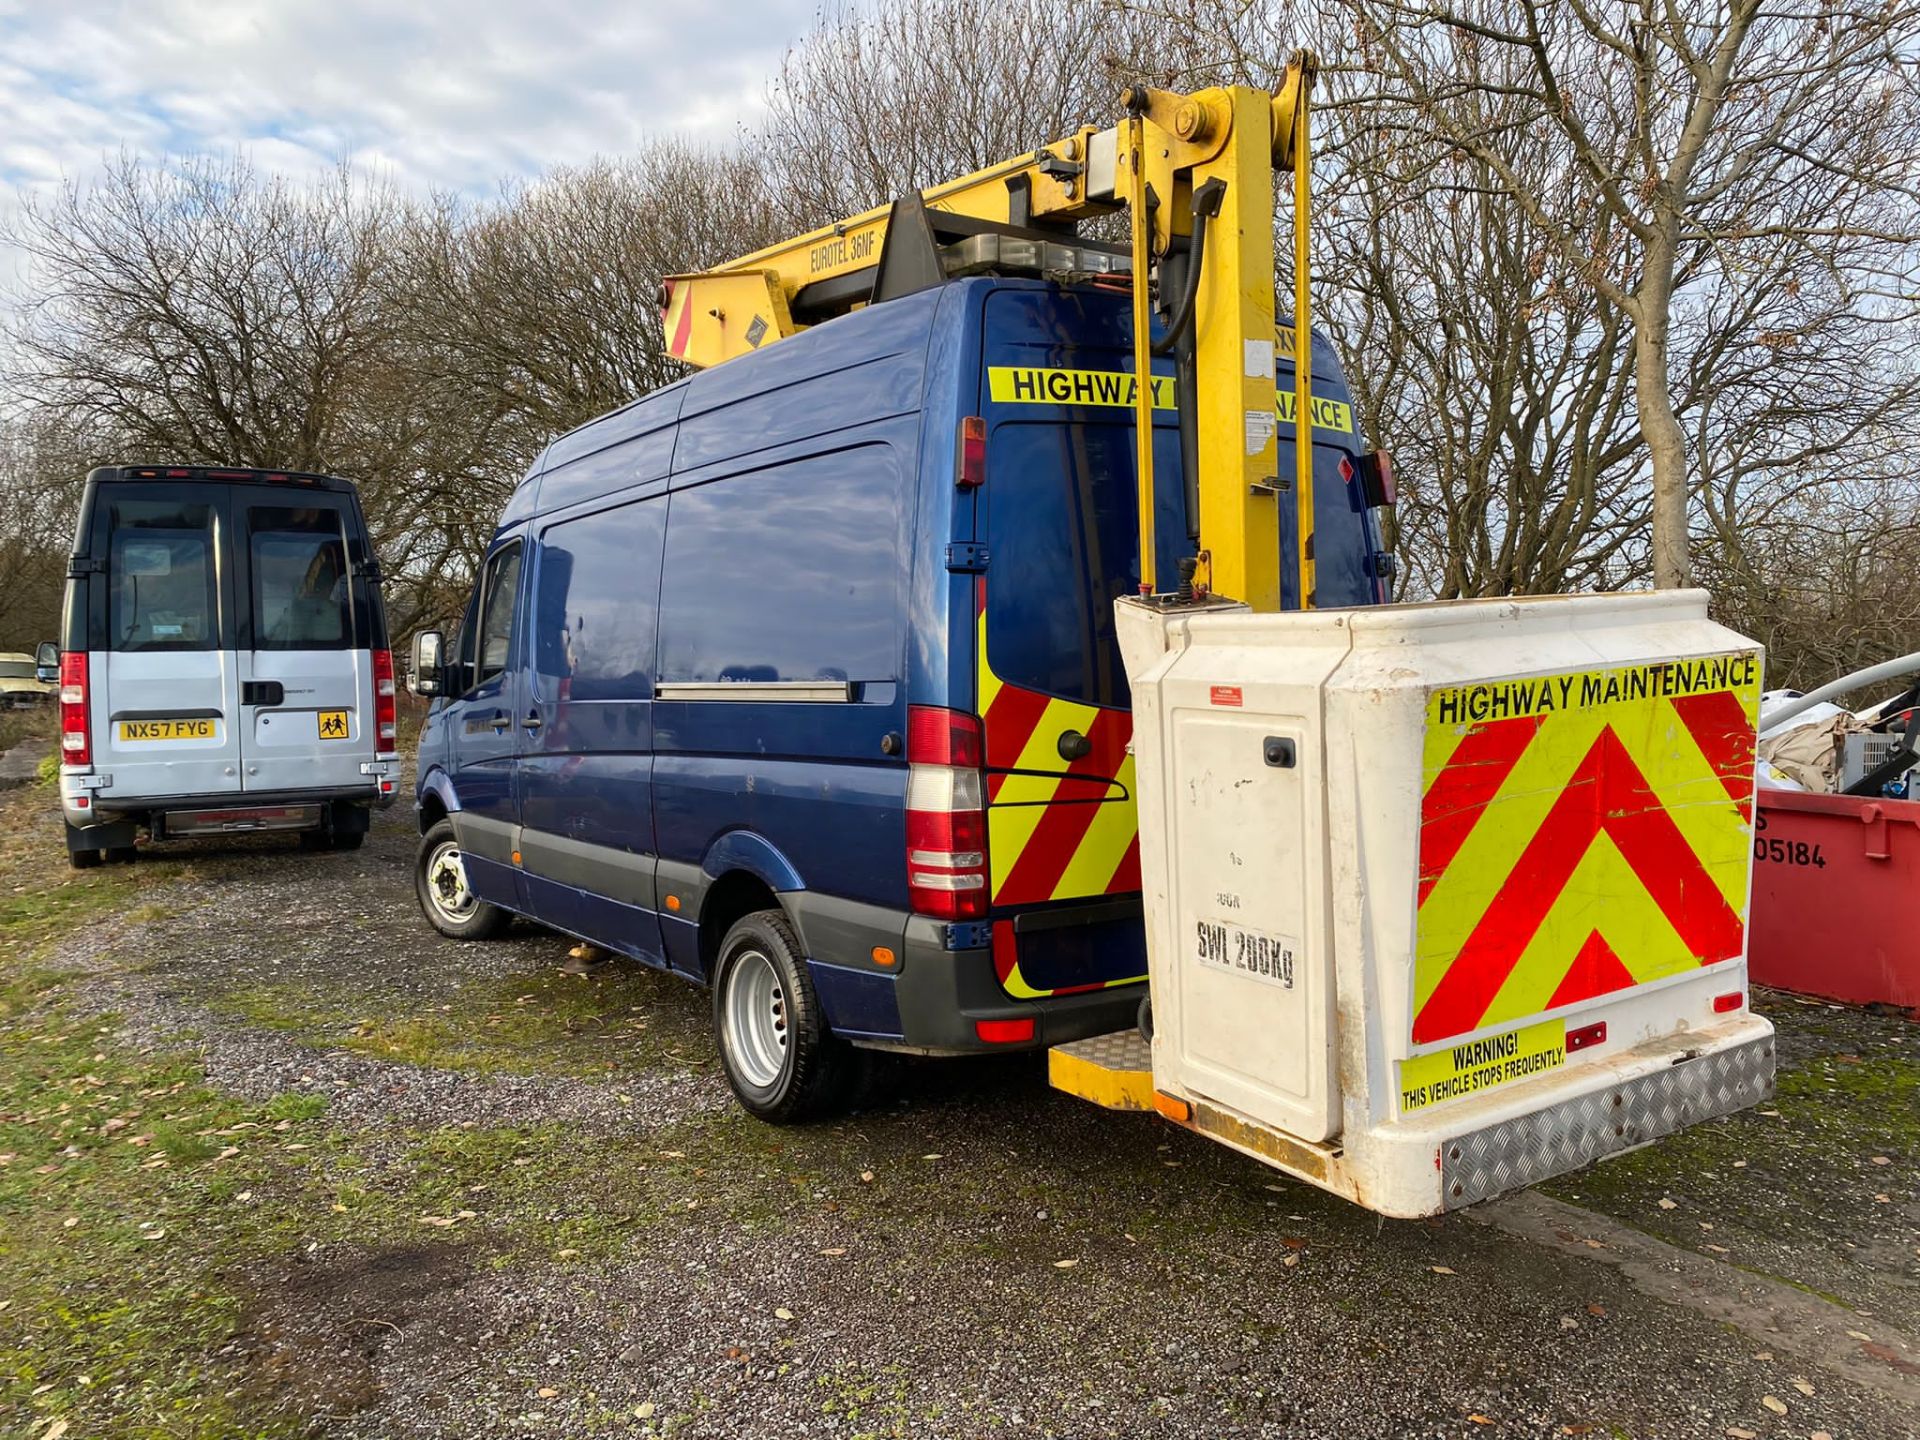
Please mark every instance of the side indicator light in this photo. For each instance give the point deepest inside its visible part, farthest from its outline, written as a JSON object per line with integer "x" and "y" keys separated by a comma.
{"x": 1004, "y": 1032}
{"x": 1178, "y": 1111}
{"x": 1723, "y": 1003}
{"x": 1586, "y": 1036}
{"x": 673, "y": 902}
{"x": 883, "y": 956}
{"x": 516, "y": 857}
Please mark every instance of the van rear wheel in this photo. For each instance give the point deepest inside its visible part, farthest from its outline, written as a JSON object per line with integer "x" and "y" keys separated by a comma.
{"x": 782, "y": 1061}
{"x": 440, "y": 884}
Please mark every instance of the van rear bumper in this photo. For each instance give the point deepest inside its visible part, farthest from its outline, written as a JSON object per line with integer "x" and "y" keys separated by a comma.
{"x": 945, "y": 994}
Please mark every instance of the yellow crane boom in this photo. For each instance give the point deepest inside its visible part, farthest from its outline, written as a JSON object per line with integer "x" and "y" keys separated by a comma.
{"x": 1196, "y": 173}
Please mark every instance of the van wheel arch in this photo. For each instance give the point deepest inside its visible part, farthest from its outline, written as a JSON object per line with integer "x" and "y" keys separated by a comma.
{"x": 730, "y": 899}
{"x": 432, "y": 811}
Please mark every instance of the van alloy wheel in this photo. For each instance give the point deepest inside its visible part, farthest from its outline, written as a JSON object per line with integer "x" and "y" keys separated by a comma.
{"x": 447, "y": 887}
{"x": 757, "y": 1019}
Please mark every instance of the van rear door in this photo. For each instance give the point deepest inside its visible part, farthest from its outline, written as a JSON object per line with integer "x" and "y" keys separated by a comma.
{"x": 305, "y": 647}
{"x": 1062, "y": 541}
{"x": 164, "y": 684}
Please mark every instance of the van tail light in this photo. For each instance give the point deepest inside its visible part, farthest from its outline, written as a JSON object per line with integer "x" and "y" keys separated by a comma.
{"x": 76, "y": 734}
{"x": 386, "y": 716}
{"x": 970, "y": 454}
{"x": 1372, "y": 473}
{"x": 946, "y": 813}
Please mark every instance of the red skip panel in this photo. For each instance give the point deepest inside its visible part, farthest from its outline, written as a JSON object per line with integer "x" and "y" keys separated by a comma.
{"x": 1836, "y": 879}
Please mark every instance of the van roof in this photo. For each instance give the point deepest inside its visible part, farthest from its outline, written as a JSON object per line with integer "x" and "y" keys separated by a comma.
{"x": 220, "y": 472}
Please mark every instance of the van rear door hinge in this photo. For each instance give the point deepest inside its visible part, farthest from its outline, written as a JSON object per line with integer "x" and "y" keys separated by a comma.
{"x": 967, "y": 557}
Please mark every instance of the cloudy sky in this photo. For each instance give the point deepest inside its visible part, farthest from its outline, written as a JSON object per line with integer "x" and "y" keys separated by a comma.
{"x": 453, "y": 93}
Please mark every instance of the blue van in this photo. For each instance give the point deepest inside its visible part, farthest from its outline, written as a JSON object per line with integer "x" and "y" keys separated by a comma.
{"x": 798, "y": 678}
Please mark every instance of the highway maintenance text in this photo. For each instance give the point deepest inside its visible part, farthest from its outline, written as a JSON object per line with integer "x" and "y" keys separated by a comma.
{"x": 1666, "y": 679}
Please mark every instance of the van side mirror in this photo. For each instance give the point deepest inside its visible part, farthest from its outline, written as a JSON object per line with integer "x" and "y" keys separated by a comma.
{"x": 46, "y": 663}
{"x": 426, "y": 677}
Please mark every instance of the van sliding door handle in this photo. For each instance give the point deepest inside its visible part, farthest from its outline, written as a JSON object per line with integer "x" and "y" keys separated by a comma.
{"x": 500, "y": 721}
{"x": 1073, "y": 745}
{"x": 532, "y": 722}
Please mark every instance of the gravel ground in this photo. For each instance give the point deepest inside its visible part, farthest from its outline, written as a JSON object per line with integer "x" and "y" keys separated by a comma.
{"x": 975, "y": 1255}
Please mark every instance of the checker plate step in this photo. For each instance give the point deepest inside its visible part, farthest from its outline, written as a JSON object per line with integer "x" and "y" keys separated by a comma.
{"x": 1114, "y": 1070}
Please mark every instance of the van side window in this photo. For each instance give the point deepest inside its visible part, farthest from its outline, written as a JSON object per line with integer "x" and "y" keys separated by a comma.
{"x": 596, "y": 599}
{"x": 788, "y": 573}
{"x": 160, "y": 576}
{"x": 302, "y": 592}
{"x": 501, "y": 586}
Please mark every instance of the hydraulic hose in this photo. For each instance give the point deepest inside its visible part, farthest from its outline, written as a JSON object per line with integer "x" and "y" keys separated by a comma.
{"x": 1206, "y": 205}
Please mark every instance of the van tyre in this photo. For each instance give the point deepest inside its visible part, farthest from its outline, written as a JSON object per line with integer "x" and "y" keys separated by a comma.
{"x": 782, "y": 1061}
{"x": 121, "y": 855}
{"x": 83, "y": 859}
{"x": 440, "y": 884}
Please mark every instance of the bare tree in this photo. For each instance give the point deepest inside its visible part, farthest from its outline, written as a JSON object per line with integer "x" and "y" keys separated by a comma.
{"x": 202, "y": 313}
{"x": 1497, "y": 380}
{"x": 544, "y": 302}
{"x": 1825, "y": 577}
{"x": 877, "y": 101}
{"x": 1716, "y": 158}
{"x": 42, "y": 466}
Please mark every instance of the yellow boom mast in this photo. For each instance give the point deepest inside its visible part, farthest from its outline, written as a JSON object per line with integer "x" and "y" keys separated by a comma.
{"x": 1196, "y": 171}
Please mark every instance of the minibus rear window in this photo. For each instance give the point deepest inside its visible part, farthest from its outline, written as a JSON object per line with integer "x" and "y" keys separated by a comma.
{"x": 160, "y": 576}
{"x": 302, "y": 592}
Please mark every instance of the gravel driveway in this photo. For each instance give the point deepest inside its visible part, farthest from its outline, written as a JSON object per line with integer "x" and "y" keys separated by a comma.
{"x": 504, "y": 1201}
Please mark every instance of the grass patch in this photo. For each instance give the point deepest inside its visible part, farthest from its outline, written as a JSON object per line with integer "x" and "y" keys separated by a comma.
{"x": 116, "y": 1177}
{"x": 545, "y": 1023}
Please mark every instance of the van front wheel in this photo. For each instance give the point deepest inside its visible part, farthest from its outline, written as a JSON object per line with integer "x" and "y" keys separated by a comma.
{"x": 448, "y": 902}
{"x": 782, "y": 1061}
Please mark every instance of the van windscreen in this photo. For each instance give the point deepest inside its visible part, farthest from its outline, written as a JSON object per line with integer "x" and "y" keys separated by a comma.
{"x": 302, "y": 592}
{"x": 160, "y": 574}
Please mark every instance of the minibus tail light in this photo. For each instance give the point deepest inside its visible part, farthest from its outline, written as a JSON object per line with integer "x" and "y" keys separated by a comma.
{"x": 386, "y": 719}
{"x": 76, "y": 733}
{"x": 946, "y": 813}
{"x": 970, "y": 454}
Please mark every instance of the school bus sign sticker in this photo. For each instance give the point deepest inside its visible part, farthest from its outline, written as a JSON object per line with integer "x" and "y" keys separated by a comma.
{"x": 1580, "y": 834}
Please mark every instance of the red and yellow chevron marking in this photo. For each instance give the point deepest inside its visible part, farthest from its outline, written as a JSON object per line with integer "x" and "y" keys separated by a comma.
{"x": 1581, "y": 834}
{"x": 1055, "y": 830}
